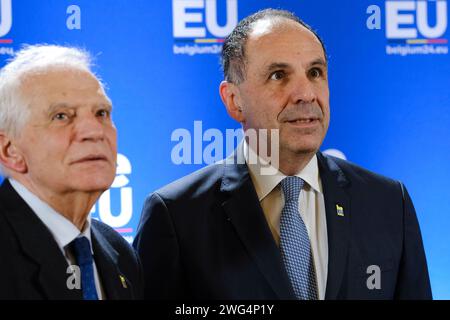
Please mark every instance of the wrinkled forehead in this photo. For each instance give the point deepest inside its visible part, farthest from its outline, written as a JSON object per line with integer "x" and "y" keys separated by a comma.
{"x": 56, "y": 78}
{"x": 40, "y": 91}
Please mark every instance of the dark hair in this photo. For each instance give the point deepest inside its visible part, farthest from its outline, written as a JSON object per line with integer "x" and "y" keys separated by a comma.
{"x": 233, "y": 50}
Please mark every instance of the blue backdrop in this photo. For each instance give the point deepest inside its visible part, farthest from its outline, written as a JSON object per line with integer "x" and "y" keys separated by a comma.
{"x": 389, "y": 81}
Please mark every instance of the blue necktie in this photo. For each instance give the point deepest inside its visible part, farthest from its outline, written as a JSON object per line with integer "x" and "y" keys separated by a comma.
{"x": 82, "y": 250}
{"x": 294, "y": 242}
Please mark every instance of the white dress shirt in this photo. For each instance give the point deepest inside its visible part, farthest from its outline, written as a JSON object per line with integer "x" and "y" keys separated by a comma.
{"x": 311, "y": 207}
{"x": 63, "y": 230}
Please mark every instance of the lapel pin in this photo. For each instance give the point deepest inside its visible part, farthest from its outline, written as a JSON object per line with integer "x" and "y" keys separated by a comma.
{"x": 339, "y": 210}
{"x": 123, "y": 281}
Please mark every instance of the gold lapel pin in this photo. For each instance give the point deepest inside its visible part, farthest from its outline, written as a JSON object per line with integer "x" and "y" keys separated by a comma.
{"x": 123, "y": 281}
{"x": 339, "y": 210}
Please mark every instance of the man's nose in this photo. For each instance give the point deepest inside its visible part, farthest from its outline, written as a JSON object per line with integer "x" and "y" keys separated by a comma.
{"x": 302, "y": 90}
{"x": 89, "y": 128}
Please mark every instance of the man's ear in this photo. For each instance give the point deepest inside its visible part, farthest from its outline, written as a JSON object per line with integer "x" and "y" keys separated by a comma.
{"x": 231, "y": 98}
{"x": 10, "y": 156}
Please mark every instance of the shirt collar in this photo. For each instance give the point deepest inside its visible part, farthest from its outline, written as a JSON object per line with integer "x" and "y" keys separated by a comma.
{"x": 63, "y": 230}
{"x": 264, "y": 184}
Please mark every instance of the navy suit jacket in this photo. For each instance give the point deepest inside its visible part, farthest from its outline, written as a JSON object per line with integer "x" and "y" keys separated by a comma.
{"x": 205, "y": 236}
{"x": 33, "y": 267}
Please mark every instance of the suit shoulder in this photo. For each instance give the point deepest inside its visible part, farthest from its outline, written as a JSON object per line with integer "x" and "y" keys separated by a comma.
{"x": 196, "y": 184}
{"x": 356, "y": 173}
{"x": 112, "y": 236}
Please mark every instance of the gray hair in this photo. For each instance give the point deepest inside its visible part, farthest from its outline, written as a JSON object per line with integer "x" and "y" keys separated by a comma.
{"x": 233, "y": 50}
{"x": 14, "y": 107}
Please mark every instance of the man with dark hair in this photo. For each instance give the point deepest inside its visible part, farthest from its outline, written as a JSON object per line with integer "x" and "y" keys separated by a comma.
{"x": 233, "y": 50}
{"x": 312, "y": 227}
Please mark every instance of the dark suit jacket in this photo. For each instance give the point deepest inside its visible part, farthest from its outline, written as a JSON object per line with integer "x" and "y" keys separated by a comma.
{"x": 205, "y": 237}
{"x": 33, "y": 267}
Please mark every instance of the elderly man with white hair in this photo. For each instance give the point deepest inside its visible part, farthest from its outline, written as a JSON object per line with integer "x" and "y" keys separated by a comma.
{"x": 58, "y": 149}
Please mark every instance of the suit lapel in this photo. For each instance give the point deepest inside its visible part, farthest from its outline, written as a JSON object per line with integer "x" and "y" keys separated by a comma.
{"x": 337, "y": 206}
{"x": 116, "y": 286}
{"x": 246, "y": 215}
{"x": 38, "y": 244}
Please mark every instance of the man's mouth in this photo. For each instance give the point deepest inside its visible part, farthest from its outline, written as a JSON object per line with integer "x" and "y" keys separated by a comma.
{"x": 304, "y": 120}
{"x": 91, "y": 158}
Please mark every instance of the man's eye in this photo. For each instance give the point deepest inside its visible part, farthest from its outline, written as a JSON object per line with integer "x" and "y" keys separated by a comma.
{"x": 103, "y": 113}
{"x": 315, "y": 73}
{"x": 61, "y": 116}
{"x": 277, "y": 75}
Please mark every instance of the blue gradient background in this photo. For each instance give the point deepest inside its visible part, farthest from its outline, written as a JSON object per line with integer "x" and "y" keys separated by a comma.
{"x": 390, "y": 114}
